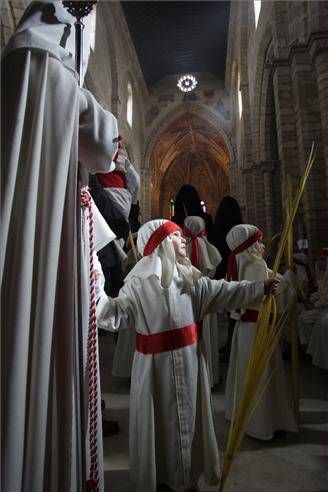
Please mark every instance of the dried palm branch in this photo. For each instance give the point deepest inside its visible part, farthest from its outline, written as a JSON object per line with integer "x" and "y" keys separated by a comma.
{"x": 134, "y": 250}
{"x": 293, "y": 311}
{"x": 265, "y": 341}
{"x": 269, "y": 245}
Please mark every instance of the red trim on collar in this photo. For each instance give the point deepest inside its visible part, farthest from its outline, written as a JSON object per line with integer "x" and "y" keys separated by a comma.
{"x": 194, "y": 256}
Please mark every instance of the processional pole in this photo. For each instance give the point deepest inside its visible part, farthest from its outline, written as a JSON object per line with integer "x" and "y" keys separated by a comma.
{"x": 79, "y": 10}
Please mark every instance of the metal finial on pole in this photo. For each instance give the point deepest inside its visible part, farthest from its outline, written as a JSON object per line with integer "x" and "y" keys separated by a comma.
{"x": 79, "y": 10}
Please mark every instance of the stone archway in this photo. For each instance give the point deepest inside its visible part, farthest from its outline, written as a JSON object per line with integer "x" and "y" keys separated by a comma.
{"x": 189, "y": 151}
{"x": 155, "y": 166}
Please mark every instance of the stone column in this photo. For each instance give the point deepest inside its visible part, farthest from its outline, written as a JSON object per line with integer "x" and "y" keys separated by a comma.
{"x": 259, "y": 197}
{"x": 145, "y": 194}
{"x": 249, "y": 199}
{"x": 234, "y": 181}
{"x": 318, "y": 45}
{"x": 309, "y": 128}
{"x": 267, "y": 168}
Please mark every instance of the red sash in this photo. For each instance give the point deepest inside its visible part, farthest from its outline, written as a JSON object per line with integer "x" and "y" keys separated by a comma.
{"x": 194, "y": 257}
{"x": 169, "y": 340}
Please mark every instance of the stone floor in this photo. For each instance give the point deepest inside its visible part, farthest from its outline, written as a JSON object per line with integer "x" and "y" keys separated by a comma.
{"x": 290, "y": 464}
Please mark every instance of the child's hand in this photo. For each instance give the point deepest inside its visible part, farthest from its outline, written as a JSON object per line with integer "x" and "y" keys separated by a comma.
{"x": 270, "y": 286}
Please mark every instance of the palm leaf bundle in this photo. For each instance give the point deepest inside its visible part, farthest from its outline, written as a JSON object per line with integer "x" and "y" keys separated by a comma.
{"x": 265, "y": 341}
{"x": 133, "y": 247}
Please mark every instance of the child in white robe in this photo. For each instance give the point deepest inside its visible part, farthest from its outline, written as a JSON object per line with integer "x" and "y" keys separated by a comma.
{"x": 274, "y": 412}
{"x": 172, "y": 436}
{"x": 204, "y": 256}
{"x": 318, "y": 301}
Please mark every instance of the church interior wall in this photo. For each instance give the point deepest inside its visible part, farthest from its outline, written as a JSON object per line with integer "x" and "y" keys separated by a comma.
{"x": 113, "y": 62}
{"x": 116, "y": 43}
{"x": 281, "y": 69}
{"x": 165, "y": 96}
{"x": 284, "y": 110}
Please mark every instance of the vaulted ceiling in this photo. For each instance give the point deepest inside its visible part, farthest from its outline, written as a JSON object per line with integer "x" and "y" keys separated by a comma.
{"x": 178, "y": 37}
{"x": 189, "y": 151}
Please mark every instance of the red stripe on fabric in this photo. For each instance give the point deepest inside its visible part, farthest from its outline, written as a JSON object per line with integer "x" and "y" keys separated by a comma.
{"x": 232, "y": 272}
{"x": 115, "y": 179}
{"x": 194, "y": 257}
{"x": 169, "y": 340}
{"x": 159, "y": 235}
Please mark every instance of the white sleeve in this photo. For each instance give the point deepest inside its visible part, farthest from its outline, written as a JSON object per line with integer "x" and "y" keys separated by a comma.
{"x": 287, "y": 291}
{"x": 97, "y": 130}
{"x": 114, "y": 314}
{"x": 215, "y": 295}
{"x": 99, "y": 276}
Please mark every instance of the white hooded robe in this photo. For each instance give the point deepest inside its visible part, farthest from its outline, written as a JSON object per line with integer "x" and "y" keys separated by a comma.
{"x": 172, "y": 436}
{"x": 48, "y": 125}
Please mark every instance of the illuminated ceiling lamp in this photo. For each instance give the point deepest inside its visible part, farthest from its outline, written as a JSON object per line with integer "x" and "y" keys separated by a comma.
{"x": 187, "y": 83}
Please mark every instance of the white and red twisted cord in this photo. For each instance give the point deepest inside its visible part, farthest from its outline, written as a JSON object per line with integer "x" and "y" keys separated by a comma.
{"x": 92, "y": 484}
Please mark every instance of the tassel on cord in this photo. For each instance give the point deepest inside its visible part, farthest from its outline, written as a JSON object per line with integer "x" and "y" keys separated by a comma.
{"x": 92, "y": 484}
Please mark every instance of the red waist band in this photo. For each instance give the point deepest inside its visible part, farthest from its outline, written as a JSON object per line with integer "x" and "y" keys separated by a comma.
{"x": 251, "y": 316}
{"x": 169, "y": 340}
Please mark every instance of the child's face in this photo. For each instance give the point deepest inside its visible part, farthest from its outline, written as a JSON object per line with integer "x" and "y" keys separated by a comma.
{"x": 179, "y": 244}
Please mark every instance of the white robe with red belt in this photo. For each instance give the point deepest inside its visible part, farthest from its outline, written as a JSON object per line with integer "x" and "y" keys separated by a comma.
{"x": 172, "y": 436}
{"x": 274, "y": 412}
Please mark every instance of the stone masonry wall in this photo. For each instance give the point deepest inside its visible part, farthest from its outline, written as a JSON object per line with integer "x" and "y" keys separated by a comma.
{"x": 286, "y": 85}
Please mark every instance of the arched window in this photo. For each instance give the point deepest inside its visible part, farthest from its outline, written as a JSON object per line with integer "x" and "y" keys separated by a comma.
{"x": 257, "y": 9}
{"x": 129, "y": 104}
{"x": 240, "y": 100}
{"x": 93, "y": 23}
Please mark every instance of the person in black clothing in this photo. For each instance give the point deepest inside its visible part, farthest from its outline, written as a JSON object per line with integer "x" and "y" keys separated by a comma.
{"x": 187, "y": 202}
{"x": 228, "y": 215}
{"x": 110, "y": 262}
{"x": 109, "y": 255}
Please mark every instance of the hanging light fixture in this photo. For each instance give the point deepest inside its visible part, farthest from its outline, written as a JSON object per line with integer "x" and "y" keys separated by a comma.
{"x": 187, "y": 83}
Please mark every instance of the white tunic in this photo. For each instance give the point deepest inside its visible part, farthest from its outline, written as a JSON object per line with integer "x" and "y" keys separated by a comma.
{"x": 172, "y": 437}
{"x": 208, "y": 259}
{"x": 44, "y": 113}
{"x": 318, "y": 346}
{"x": 308, "y": 318}
{"x": 274, "y": 412}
